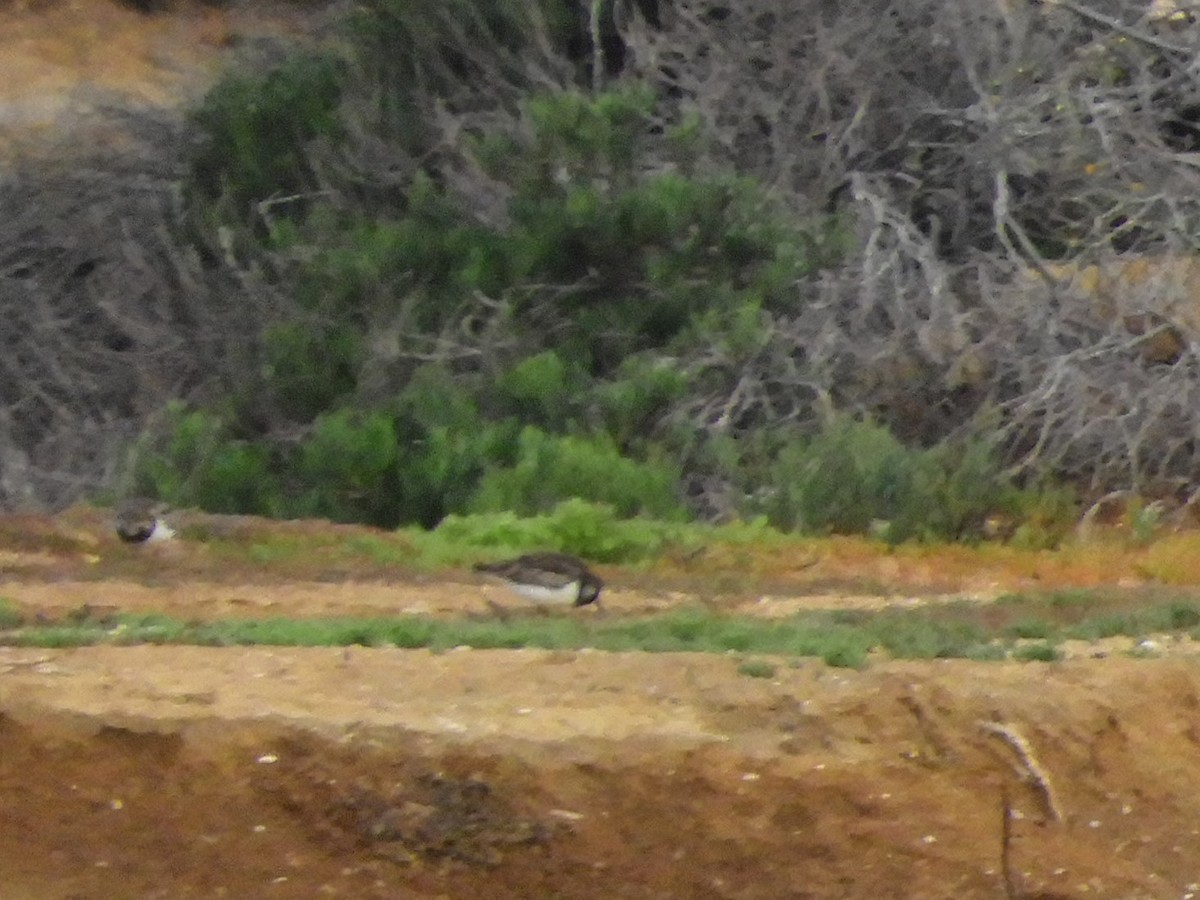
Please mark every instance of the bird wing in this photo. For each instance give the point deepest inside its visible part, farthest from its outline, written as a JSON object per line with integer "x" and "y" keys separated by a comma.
{"x": 549, "y": 570}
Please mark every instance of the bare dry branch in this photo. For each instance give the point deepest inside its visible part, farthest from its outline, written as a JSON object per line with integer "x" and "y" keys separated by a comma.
{"x": 1027, "y": 767}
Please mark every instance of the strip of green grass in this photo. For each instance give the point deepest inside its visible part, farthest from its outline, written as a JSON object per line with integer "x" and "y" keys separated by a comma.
{"x": 953, "y": 630}
{"x": 10, "y": 615}
{"x": 697, "y": 631}
{"x": 841, "y": 638}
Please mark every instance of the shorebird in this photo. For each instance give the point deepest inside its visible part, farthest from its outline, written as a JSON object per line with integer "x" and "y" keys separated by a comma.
{"x": 139, "y": 520}
{"x": 547, "y": 578}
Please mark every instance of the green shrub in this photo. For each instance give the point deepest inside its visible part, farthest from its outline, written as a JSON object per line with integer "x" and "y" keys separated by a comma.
{"x": 590, "y": 530}
{"x": 348, "y": 469}
{"x": 1047, "y": 514}
{"x": 598, "y": 531}
{"x": 539, "y": 389}
{"x": 1144, "y": 520}
{"x": 969, "y": 486}
{"x": 408, "y": 275}
{"x": 195, "y": 461}
{"x": 571, "y": 307}
{"x": 640, "y": 391}
{"x": 571, "y": 139}
{"x": 847, "y": 477}
{"x": 561, "y": 310}
{"x": 1181, "y": 614}
{"x": 989, "y": 652}
{"x": 608, "y": 261}
{"x": 446, "y": 445}
{"x": 856, "y": 477}
{"x": 1070, "y": 598}
{"x": 238, "y": 477}
{"x": 309, "y": 369}
{"x": 845, "y": 654}
{"x": 1105, "y": 626}
{"x": 256, "y": 129}
{"x": 550, "y": 469}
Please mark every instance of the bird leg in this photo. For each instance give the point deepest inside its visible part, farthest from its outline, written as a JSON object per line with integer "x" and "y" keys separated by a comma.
{"x": 498, "y": 611}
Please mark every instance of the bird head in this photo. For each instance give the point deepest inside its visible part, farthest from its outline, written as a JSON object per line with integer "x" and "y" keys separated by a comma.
{"x": 589, "y": 591}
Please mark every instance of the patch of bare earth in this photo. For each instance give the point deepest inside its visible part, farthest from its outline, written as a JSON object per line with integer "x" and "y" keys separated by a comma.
{"x": 68, "y": 67}
{"x": 181, "y": 772}
{"x": 297, "y": 773}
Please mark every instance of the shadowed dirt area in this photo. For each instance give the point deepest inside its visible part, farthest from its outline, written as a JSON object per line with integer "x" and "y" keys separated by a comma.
{"x": 306, "y": 772}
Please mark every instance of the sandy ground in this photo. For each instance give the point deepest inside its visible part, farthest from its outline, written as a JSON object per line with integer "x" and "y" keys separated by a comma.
{"x": 297, "y": 773}
{"x": 239, "y": 772}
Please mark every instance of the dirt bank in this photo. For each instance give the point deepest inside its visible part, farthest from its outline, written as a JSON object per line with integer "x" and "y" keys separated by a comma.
{"x": 181, "y": 772}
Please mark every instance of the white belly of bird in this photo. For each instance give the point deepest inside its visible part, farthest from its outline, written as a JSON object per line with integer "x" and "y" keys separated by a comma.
{"x": 161, "y": 532}
{"x": 568, "y": 593}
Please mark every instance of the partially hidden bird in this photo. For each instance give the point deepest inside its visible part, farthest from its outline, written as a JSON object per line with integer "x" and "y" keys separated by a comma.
{"x": 139, "y": 521}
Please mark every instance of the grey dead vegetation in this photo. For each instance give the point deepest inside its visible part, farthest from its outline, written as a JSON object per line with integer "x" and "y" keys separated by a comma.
{"x": 986, "y": 155}
{"x": 110, "y": 308}
{"x": 979, "y": 147}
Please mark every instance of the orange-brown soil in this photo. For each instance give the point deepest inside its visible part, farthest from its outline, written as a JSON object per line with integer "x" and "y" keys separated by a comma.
{"x": 66, "y": 64}
{"x": 298, "y": 773}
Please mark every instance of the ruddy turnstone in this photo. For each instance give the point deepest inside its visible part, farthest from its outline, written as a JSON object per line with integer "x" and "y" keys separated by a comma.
{"x": 547, "y": 578}
{"x": 140, "y": 520}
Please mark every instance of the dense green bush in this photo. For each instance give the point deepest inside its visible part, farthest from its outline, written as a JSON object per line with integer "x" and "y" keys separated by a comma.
{"x": 445, "y": 446}
{"x": 634, "y": 261}
{"x": 432, "y": 457}
{"x": 309, "y": 368}
{"x": 348, "y": 468}
{"x": 196, "y": 461}
{"x": 534, "y": 352}
{"x": 256, "y": 129}
{"x": 599, "y": 268}
{"x": 855, "y": 477}
{"x": 425, "y": 459}
{"x": 597, "y": 262}
{"x": 551, "y": 469}
{"x": 630, "y": 403}
{"x": 541, "y": 389}
{"x": 592, "y": 530}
